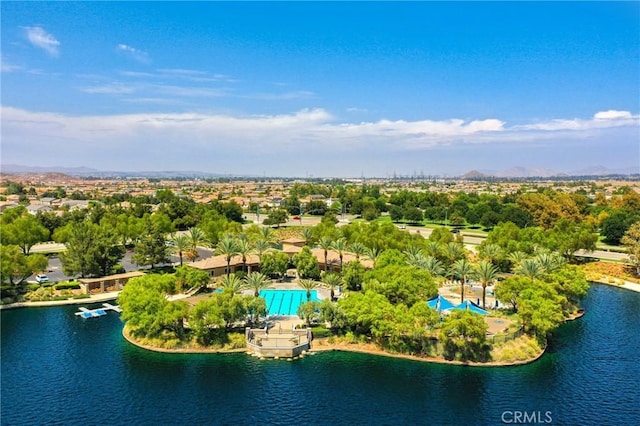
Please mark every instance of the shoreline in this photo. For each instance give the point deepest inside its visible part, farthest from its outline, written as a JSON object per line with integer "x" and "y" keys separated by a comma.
{"x": 626, "y": 285}
{"x": 433, "y": 360}
{"x": 96, "y": 298}
{"x": 339, "y": 348}
{"x": 134, "y": 342}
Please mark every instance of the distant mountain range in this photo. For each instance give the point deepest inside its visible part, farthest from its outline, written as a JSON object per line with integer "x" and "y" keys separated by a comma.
{"x": 512, "y": 173}
{"x": 529, "y": 172}
{"x": 88, "y": 172}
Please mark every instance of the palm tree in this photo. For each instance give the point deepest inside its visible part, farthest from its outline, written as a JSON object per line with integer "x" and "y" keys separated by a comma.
{"x": 486, "y": 272}
{"x": 244, "y": 249}
{"x": 332, "y": 281}
{"x": 232, "y": 283}
{"x": 308, "y": 236}
{"x": 309, "y": 285}
{"x": 261, "y": 247}
{"x": 462, "y": 269}
{"x": 267, "y": 234}
{"x": 454, "y": 252}
{"x": 550, "y": 262}
{"x": 340, "y": 245}
{"x": 516, "y": 258}
{"x": 373, "y": 253}
{"x": 227, "y": 246}
{"x": 326, "y": 244}
{"x": 197, "y": 238}
{"x": 358, "y": 249}
{"x": 256, "y": 281}
{"x": 414, "y": 256}
{"x": 433, "y": 266}
{"x": 530, "y": 268}
{"x": 180, "y": 244}
{"x": 491, "y": 252}
{"x": 433, "y": 248}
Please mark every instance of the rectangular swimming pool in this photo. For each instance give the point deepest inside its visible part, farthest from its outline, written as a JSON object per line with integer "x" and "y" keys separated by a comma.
{"x": 286, "y": 302}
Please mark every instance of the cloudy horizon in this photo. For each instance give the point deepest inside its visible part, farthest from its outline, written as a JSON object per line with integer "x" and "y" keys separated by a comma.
{"x": 438, "y": 89}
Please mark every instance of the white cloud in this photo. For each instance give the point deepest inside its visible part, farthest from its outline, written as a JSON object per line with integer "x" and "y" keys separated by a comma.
{"x": 133, "y": 53}
{"x": 38, "y": 37}
{"x": 110, "y": 89}
{"x": 600, "y": 120}
{"x": 304, "y": 129}
{"x": 7, "y": 67}
{"x": 308, "y": 138}
{"x": 612, "y": 115}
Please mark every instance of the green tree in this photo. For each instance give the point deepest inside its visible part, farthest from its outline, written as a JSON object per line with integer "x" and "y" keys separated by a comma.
{"x": 462, "y": 270}
{"x": 197, "y": 238}
{"x": 340, "y": 246}
{"x": 463, "y": 335}
{"x": 256, "y": 308}
{"x": 245, "y": 248}
{"x": 308, "y": 311}
{"x": 274, "y": 263}
{"x": 396, "y": 213}
{"x": 332, "y": 282}
{"x": 353, "y": 275}
{"x": 276, "y": 217}
{"x": 152, "y": 248}
{"x": 308, "y": 286}
{"x": 232, "y": 283}
{"x": 146, "y": 310}
{"x": 486, "y": 273}
{"x": 540, "y": 310}
{"x": 413, "y": 214}
{"x": 180, "y": 244}
{"x": 204, "y": 320}
{"x": 614, "y": 226}
{"x": 91, "y": 250}
{"x": 631, "y": 240}
{"x": 510, "y": 289}
{"x": 326, "y": 244}
{"x": 16, "y": 267}
{"x": 401, "y": 284}
{"x": 256, "y": 281}
{"x": 358, "y": 249}
{"x": 228, "y": 247}
{"x": 529, "y": 268}
{"x": 189, "y": 278}
{"x": 306, "y": 264}
{"x": 24, "y": 232}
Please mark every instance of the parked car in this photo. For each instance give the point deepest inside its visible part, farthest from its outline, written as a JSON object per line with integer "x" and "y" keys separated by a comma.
{"x": 42, "y": 278}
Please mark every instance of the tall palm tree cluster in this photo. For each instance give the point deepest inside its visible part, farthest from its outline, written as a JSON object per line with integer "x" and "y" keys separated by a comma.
{"x": 451, "y": 261}
{"x": 240, "y": 245}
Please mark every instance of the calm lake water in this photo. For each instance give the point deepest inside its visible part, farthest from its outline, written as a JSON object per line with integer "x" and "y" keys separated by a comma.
{"x": 60, "y": 369}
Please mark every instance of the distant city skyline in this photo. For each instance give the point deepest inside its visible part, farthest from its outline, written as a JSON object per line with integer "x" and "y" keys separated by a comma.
{"x": 322, "y": 89}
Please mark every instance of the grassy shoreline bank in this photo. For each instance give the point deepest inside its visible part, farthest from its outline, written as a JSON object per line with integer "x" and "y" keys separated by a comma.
{"x": 322, "y": 345}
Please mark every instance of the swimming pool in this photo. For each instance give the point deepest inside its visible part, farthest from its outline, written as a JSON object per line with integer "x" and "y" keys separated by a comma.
{"x": 286, "y": 302}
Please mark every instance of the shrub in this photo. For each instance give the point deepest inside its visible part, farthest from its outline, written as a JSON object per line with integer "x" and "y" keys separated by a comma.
{"x": 236, "y": 341}
{"x": 81, "y": 296}
{"x": 320, "y": 332}
{"x": 72, "y": 285}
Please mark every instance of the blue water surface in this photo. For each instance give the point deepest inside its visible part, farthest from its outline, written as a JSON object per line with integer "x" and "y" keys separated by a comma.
{"x": 60, "y": 369}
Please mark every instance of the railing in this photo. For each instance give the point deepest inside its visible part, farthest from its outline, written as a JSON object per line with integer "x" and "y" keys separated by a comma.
{"x": 505, "y": 337}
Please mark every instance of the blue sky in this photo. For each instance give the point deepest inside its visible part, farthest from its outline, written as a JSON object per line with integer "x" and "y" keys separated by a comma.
{"x": 323, "y": 89}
